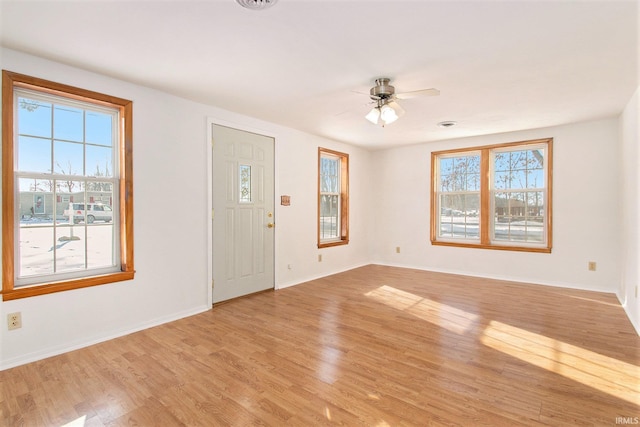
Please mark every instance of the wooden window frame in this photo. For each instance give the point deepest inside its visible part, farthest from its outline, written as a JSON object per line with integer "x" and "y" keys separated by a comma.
{"x": 344, "y": 198}
{"x": 11, "y": 80}
{"x": 485, "y": 241}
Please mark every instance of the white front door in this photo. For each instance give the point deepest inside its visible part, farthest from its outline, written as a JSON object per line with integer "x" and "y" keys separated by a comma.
{"x": 243, "y": 213}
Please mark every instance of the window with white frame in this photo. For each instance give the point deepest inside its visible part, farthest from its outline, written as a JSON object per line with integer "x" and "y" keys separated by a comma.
{"x": 67, "y": 193}
{"x": 459, "y": 195}
{"x": 333, "y": 198}
{"x": 495, "y": 197}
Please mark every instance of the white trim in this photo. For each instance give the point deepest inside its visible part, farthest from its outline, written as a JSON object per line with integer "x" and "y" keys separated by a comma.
{"x": 522, "y": 280}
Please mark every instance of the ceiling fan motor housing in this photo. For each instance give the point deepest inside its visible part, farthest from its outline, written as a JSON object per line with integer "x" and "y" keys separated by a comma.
{"x": 382, "y": 89}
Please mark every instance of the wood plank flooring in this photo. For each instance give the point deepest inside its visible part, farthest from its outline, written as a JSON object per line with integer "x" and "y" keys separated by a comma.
{"x": 375, "y": 346}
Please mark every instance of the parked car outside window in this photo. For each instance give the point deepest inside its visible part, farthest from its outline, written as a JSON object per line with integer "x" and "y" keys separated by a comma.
{"x": 93, "y": 212}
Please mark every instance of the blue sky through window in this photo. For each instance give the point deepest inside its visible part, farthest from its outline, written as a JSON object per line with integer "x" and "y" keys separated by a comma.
{"x": 64, "y": 139}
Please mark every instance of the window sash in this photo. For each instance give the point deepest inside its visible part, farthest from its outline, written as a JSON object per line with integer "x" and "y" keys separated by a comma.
{"x": 330, "y": 201}
{"x": 517, "y": 224}
{"x": 29, "y": 273}
{"x": 63, "y": 229}
{"x": 458, "y": 182}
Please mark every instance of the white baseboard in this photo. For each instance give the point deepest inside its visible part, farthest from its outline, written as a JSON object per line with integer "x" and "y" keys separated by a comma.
{"x": 65, "y": 348}
{"x": 318, "y": 276}
{"x": 625, "y": 306}
{"x": 499, "y": 277}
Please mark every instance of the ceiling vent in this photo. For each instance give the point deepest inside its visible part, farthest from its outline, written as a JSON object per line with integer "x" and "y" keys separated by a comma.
{"x": 447, "y": 124}
{"x": 256, "y": 4}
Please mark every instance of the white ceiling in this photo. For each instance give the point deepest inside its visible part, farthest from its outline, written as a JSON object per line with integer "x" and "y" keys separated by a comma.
{"x": 500, "y": 65}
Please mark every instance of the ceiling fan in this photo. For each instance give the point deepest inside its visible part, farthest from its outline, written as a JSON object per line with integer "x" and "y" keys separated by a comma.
{"x": 387, "y": 110}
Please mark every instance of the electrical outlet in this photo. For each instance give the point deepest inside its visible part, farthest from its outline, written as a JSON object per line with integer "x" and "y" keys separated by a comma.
{"x": 319, "y": 257}
{"x": 14, "y": 321}
{"x": 592, "y": 266}
{"x": 397, "y": 249}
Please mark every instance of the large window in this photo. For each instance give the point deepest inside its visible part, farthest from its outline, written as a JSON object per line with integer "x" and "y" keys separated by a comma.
{"x": 67, "y": 189}
{"x": 496, "y": 197}
{"x": 333, "y": 198}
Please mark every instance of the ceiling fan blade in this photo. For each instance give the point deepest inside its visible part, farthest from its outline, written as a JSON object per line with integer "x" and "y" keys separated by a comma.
{"x": 416, "y": 93}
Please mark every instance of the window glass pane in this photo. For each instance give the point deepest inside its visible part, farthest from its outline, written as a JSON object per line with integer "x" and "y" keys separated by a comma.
{"x": 446, "y": 166}
{"x": 459, "y": 216}
{"x": 460, "y": 173}
{"x": 35, "y": 199}
{"x": 73, "y": 189}
{"x": 519, "y": 169}
{"x": 34, "y": 117}
{"x": 68, "y": 123}
{"x": 100, "y": 251}
{"x": 535, "y": 178}
{"x": 329, "y": 175}
{"x": 70, "y": 249}
{"x": 36, "y": 249}
{"x": 68, "y": 158}
{"x": 473, "y": 164}
{"x": 473, "y": 182}
{"x": 518, "y": 179}
{"x": 98, "y": 161}
{"x": 329, "y": 216}
{"x": 519, "y": 216}
{"x": 245, "y": 183}
{"x": 501, "y": 162}
{"x": 34, "y": 155}
{"x": 99, "y": 128}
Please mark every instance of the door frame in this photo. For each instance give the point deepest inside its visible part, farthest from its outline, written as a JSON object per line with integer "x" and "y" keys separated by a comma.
{"x": 211, "y": 121}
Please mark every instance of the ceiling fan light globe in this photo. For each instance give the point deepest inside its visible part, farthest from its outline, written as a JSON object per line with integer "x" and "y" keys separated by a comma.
{"x": 373, "y": 116}
{"x": 388, "y": 114}
{"x": 397, "y": 108}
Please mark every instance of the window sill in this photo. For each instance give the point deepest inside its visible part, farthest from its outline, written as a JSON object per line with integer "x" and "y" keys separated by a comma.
{"x": 49, "y": 288}
{"x": 335, "y": 243}
{"x": 538, "y": 249}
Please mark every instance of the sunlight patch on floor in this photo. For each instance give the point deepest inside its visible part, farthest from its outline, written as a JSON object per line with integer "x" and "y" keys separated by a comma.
{"x": 440, "y": 314}
{"x": 327, "y": 413}
{"x": 327, "y": 370}
{"x": 610, "y": 304}
{"x": 79, "y": 422}
{"x": 614, "y": 377}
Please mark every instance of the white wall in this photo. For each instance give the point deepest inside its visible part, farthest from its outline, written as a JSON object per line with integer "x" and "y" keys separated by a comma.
{"x": 630, "y": 210}
{"x": 586, "y": 218}
{"x": 171, "y": 254}
{"x": 296, "y": 225}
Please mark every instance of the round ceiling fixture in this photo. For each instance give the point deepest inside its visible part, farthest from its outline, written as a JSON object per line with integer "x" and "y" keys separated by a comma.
{"x": 256, "y": 4}
{"x": 447, "y": 124}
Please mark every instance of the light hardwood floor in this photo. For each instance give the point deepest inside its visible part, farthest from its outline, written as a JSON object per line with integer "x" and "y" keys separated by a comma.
{"x": 375, "y": 346}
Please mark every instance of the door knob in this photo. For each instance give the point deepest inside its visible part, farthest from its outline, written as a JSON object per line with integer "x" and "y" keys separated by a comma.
{"x": 271, "y": 225}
